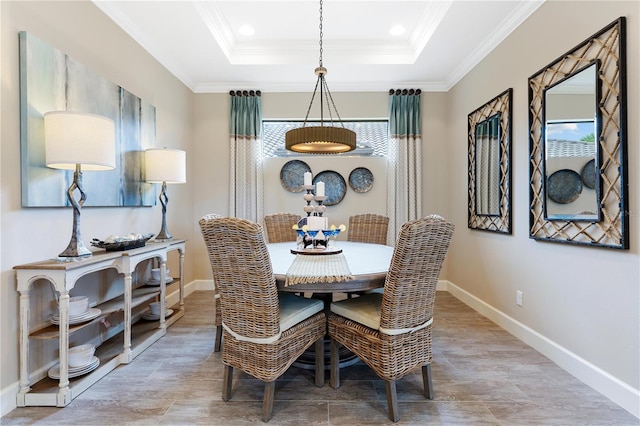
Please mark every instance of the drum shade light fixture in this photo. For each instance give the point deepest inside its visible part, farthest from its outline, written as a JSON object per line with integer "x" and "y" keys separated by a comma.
{"x": 321, "y": 139}
{"x": 76, "y": 141}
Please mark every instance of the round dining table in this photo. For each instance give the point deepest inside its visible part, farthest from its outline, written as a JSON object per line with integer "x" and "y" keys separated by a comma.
{"x": 368, "y": 264}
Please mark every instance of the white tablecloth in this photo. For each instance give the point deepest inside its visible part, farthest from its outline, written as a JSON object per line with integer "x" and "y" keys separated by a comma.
{"x": 361, "y": 258}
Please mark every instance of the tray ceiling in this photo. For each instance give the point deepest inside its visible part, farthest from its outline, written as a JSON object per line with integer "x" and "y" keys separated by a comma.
{"x": 202, "y": 44}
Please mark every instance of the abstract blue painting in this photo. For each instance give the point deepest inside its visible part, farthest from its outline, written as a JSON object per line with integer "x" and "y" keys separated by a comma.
{"x": 52, "y": 81}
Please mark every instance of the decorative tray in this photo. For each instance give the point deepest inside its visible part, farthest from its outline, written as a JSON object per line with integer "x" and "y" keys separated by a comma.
{"x": 121, "y": 244}
{"x": 321, "y": 251}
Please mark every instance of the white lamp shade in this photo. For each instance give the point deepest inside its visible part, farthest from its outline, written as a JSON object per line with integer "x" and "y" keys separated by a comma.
{"x": 165, "y": 165}
{"x": 79, "y": 138}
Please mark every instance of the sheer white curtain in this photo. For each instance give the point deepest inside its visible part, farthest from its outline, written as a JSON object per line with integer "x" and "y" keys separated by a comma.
{"x": 404, "y": 199}
{"x": 488, "y": 166}
{"x": 246, "y": 180}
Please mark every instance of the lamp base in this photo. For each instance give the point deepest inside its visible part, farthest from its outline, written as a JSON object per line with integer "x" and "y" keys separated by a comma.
{"x": 75, "y": 249}
{"x": 163, "y": 235}
{"x": 164, "y": 200}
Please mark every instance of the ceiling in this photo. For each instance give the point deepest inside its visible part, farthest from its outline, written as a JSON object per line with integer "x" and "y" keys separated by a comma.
{"x": 201, "y": 43}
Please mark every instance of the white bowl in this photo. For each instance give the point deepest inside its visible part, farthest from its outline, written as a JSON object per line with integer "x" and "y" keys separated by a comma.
{"x": 78, "y": 305}
{"x": 154, "y": 307}
{"x": 155, "y": 274}
{"x": 81, "y": 355}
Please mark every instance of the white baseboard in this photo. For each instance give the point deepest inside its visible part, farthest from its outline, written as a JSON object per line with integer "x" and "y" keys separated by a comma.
{"x": 174, "y": 297}
{"x": 202, "y": 285}
{"x": 613, "y": 388}
{"x": 8, "y": 398}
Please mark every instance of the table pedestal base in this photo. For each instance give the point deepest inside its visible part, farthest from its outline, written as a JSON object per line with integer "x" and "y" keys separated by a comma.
{"x": 308, "y": 359}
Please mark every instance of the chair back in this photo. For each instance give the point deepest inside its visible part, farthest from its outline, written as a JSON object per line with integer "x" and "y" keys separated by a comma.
{"x": 278, "y": 227}
{"x": 368, "y": 228}
{"x": 410, "y": 285}
{"x": 243, "y": 275}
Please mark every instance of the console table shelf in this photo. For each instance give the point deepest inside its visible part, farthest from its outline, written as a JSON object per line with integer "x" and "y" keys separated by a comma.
{"x": 116, "y": 343}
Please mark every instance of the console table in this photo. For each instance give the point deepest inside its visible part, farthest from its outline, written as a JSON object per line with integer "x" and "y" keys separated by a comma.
{"x": 117, "y": 332}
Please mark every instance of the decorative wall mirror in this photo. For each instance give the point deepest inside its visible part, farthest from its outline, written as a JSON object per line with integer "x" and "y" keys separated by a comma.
{"x": 489, "y": 159}
{"x": 577, "y": 131}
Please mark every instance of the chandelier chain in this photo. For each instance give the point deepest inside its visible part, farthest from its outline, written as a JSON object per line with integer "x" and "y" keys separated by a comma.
{"x": 332, "y": 103}
{"x": 311, "y": 103}
{"x": 320, "y": 32}
{"x": 321, "y": 139}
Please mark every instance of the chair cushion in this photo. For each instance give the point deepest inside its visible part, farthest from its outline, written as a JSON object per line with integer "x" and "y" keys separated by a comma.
{"x": 294, "y": 309}
{"x": 364, "y": 309}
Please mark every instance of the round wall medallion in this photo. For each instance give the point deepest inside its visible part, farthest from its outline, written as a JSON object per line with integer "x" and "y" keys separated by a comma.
{"x": 564, "y": 186}
{"x": 361, "y": 179}
{"x": 334, "y": 186}
{"x": 588, "y": 174}
{"x": 292, "y": 175}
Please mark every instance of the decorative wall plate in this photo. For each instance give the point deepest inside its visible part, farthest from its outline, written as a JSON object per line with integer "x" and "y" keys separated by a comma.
{"x": 564, "y": 186}
{"x": 334, "y": 186}
{"x": 292, "y": 175}
{"x": 361, "y": 179}
{"x": 588, "y": 174}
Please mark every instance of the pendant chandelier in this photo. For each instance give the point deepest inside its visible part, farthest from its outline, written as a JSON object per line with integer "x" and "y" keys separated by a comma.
{"x": 321, "y": 139}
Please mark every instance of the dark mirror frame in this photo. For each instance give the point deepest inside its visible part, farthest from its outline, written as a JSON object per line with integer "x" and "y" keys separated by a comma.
{"x": 611, "y": 230}
{"x": 596, "y": 214}
{"x": 501, "y": 105}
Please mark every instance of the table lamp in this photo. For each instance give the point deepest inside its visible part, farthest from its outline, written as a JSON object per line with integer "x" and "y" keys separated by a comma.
{"x": 166, "y": 166}
{"x": 77, "y": 141}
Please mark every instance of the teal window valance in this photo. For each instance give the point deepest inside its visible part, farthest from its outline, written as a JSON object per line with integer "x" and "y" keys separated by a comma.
{"x": 246, "y": 113}
{"x": 404, "y": 112}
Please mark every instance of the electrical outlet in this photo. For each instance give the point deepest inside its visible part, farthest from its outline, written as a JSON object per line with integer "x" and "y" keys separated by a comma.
{"x": 518, "y": 298}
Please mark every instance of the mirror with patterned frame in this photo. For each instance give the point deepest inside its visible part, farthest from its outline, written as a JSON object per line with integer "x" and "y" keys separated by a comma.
{"x": 489, "y": 160}
{"x": 554, "y": 211}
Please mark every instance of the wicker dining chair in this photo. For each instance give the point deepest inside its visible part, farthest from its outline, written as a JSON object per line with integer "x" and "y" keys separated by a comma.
{"x": 217, "y": 322}
{"x": 368, "y": 228}
{"x": 217, "y": 313}
{"x": 391, "y": 331}
{"x": 278, "y": 227}
{"x": 264, "y": 331}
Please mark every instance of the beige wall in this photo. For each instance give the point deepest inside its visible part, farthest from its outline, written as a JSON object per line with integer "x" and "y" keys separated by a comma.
{"x": 582, "y": 300}
{"x": 28, "y": 235}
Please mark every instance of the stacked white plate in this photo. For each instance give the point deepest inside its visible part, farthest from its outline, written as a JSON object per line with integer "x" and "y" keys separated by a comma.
{"x": 154, "y": 317}
{"x": 151, "y": 281}
{"x": 54, "y": 372}
{"x": 77, "y": 319}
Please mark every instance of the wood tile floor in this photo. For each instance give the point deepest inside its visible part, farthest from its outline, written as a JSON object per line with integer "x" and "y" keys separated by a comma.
{"x": 481, "y": 375}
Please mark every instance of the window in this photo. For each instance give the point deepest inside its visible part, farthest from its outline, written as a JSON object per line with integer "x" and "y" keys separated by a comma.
{"x": 372, "y": 137}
